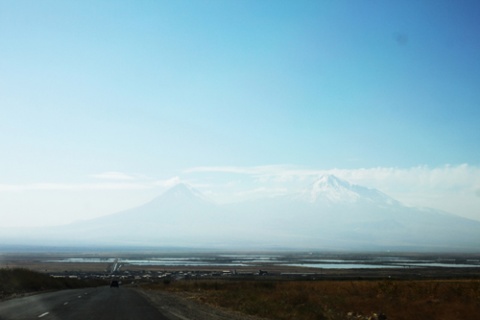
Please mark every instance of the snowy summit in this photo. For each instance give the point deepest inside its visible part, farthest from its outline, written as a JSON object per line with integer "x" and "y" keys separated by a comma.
{"x": 331, "y": 189}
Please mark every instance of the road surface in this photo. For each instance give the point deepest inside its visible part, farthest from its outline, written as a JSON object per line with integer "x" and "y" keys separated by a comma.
{"x": 93, "y": 303}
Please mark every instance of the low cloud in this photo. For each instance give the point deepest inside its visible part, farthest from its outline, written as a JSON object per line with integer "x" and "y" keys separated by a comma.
{"x": 169, "y": 182}
{"x": 112, "y": 181}
{"x": 449, "y": 188}
{"x": 446, "y": 177}
{"x": 72, "y": 187}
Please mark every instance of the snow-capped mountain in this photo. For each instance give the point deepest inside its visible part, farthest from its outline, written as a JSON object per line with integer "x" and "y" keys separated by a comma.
{"x": 180, "y": 199}
{"x": 331, "y": 189}
{"x": 329, "y": 214}
{"x": 182, "y": 193}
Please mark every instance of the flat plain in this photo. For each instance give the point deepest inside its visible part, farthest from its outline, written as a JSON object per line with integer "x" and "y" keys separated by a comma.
{"x": 285, "y": 285}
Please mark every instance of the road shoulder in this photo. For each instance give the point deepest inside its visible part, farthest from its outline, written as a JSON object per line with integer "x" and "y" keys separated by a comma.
{"x": 178, "y": 307}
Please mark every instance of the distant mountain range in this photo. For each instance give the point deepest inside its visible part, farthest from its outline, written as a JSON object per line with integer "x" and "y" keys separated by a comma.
{"x": 329, "y": 214}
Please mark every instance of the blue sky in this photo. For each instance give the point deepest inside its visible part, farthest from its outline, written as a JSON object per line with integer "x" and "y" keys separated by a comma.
{"x": 151, "y": 90}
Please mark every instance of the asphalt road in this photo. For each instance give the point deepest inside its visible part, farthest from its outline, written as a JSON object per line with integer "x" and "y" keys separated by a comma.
{"x": 92, "y": 303}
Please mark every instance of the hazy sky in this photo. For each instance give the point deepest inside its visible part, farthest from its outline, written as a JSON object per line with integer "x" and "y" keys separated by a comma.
{"x": 104, "y": 104}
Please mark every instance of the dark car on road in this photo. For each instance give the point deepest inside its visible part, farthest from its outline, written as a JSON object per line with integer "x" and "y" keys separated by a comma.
{"x": 114, "y": 284}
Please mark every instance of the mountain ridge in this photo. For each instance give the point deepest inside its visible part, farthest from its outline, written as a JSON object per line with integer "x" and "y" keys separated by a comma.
{"x": 341, "y": 216}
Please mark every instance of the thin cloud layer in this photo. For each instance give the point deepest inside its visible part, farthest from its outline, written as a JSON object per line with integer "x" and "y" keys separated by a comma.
{"x": 449, "y": 188}
{"x": 454, "y": 189}
{"x": 417, "y": 178}
{"x": 71, "y": 187}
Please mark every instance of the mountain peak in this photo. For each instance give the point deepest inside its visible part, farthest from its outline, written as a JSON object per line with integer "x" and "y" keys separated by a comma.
{"x": 329, "y": 181}
{"x": 331, "y": 189}
{"x": 183, "y": 191}
{"x": 180, "y": 197}
{"x": 179, "y": 189}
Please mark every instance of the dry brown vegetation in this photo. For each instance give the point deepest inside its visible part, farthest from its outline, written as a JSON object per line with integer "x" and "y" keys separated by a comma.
{"x": 429, "y": 299}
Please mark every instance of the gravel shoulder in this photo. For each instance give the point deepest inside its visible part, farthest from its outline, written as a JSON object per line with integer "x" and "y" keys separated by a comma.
{"x": 179, "y": 306}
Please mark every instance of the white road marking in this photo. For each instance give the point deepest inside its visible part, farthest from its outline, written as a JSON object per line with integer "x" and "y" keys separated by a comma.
{"x": 79, "y": 297}
{"x": 43, "y": 314}
{"x": 65, "y": 303}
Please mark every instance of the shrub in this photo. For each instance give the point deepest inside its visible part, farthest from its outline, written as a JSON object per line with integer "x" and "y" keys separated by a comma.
{"x": 18, "y": 280}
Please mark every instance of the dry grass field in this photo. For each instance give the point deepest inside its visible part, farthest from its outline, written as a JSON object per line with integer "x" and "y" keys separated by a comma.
{"x": 372, "y": 299}
{"x": 394, "y": 293}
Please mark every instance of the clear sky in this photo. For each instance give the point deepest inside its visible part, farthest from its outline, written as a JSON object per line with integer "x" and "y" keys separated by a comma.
{"x": 103, "y": 104}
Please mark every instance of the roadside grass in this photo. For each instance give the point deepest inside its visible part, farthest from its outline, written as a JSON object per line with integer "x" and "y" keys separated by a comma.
{"x": 332, "y": 300}
{"x": 19, "y": 281}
